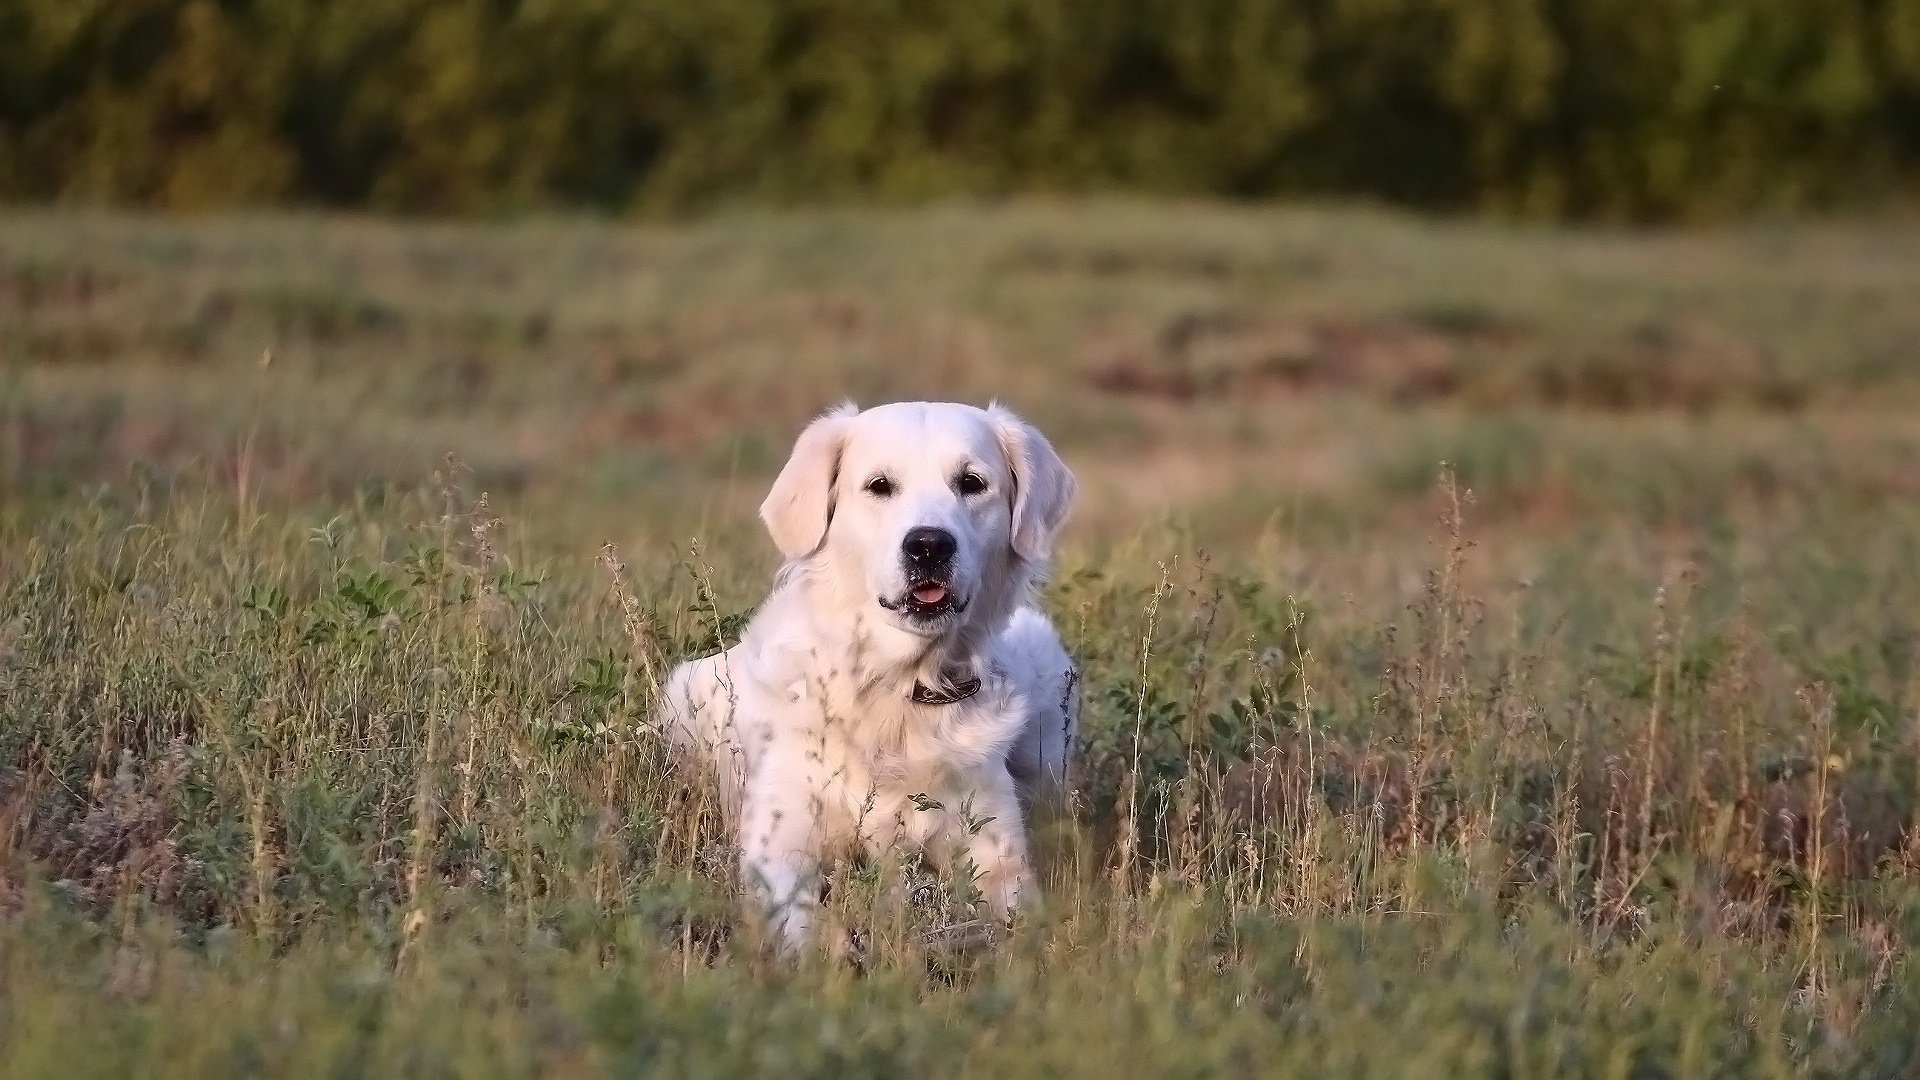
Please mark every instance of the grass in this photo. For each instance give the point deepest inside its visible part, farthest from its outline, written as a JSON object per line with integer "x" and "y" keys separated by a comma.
{"x": 1500, "y": 645}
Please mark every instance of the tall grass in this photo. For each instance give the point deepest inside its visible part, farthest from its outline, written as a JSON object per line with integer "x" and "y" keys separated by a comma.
{"x": 377, "y": 792}
{"x": 1591, "y": 753}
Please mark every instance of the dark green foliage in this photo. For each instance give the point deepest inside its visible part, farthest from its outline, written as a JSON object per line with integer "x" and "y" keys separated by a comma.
{"x": 1542, "y": 107}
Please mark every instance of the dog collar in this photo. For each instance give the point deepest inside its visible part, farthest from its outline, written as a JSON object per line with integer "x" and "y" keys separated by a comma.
{"x": 950, "y": 691}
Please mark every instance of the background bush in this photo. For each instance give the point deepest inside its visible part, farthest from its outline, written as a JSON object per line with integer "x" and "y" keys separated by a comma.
{"x": 1628, "y": 109}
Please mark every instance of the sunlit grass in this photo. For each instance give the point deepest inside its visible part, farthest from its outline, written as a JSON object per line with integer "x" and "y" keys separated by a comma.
{"x": 1592, "y": 752}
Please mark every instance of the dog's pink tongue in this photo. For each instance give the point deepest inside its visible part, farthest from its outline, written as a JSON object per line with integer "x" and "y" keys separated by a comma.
{"x": 930, "y": 593}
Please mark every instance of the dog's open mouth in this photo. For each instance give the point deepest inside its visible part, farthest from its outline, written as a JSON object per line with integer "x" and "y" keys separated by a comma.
{"x": 926, "y": 599}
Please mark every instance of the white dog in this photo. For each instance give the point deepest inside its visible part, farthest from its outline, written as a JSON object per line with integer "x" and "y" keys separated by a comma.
{"x": 897, "y": 687}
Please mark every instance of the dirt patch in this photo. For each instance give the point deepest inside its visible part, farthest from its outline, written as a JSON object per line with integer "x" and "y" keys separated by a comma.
{"x": 39, "y": 288}
{"x": 1439, "y": 355}
{"x": 1685, "y": 363}
{"x": 1224, "y": 354}
{"x": 1108, "y": 261}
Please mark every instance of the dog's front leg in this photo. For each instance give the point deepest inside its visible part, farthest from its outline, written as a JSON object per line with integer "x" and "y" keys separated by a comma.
{"x": 780, "y": 844}
{"x": 995, "y": 840}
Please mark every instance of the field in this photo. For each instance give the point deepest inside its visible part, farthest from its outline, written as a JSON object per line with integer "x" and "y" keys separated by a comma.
{"x": 1500, "y": 643}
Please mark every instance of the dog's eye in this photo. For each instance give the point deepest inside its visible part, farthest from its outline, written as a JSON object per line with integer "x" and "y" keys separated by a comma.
{"x": 970, "y": 483}
{"x": 880, "y": 487}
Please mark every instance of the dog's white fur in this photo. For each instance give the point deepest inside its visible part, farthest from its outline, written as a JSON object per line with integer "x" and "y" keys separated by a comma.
{"x": 810, "y": 723}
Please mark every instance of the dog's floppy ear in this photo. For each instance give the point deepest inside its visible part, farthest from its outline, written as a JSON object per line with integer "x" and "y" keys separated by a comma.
{"x": 801, "y": 502}
{"x": 1043, "y": 488}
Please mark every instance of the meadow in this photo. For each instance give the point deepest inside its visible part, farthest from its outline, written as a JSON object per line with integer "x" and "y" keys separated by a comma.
{"x": 1500, "y": 643}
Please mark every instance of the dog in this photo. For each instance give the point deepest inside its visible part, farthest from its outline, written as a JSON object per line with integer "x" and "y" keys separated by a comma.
{"x": 897, "y": 689}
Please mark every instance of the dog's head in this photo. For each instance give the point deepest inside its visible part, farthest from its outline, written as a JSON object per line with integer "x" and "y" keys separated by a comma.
{"x": 940, "y": 513}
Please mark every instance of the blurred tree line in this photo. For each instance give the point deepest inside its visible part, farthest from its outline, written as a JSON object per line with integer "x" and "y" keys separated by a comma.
{"x": 1611, "y": 109}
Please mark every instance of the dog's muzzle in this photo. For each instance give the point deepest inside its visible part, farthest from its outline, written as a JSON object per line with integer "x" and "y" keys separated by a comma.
{"x": 926, "y": 554}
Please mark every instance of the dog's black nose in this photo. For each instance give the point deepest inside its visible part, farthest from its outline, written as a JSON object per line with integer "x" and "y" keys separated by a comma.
{"x": 928, "y": 547}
